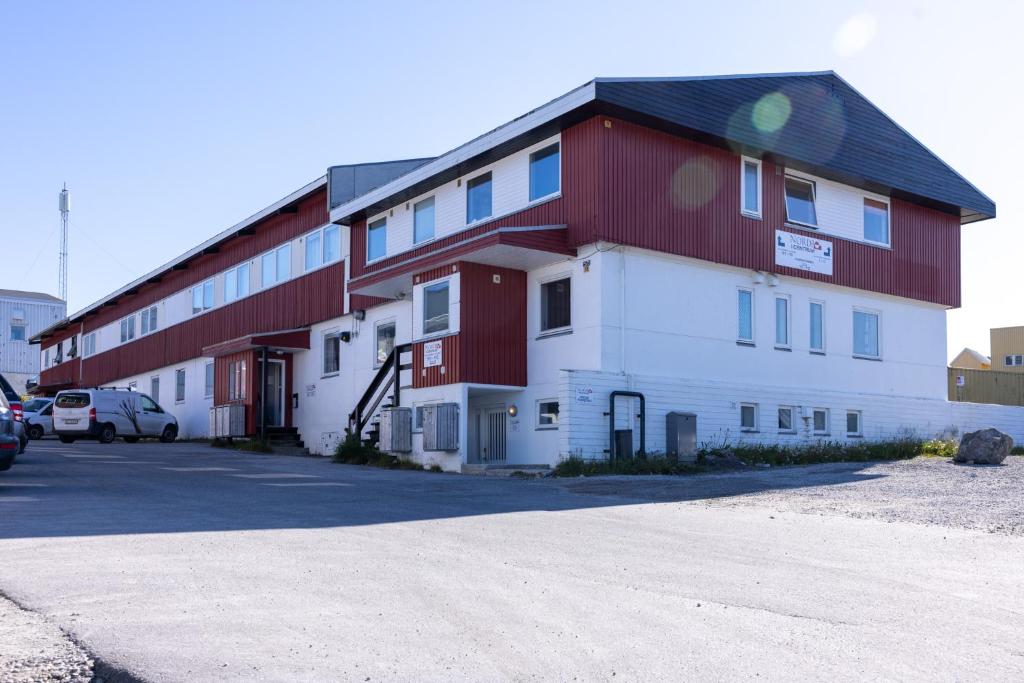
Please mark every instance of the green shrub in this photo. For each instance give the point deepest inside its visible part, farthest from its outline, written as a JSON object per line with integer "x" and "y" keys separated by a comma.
{"x": 574, "y": 466}
{"x": 352, "y": 451}
{"x": 1017, "y": 450}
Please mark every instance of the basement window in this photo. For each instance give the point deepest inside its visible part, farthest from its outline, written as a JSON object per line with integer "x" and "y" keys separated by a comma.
{"x": 853, "y": 423}
{"x": 748, "y": 417}
{"x": 786, "y": 420}
{"x": 820, "y": 418}
{"x": 800, "y": 202}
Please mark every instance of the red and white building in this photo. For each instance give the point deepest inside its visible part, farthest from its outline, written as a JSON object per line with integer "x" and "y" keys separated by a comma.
{"x": 770, "y": 254}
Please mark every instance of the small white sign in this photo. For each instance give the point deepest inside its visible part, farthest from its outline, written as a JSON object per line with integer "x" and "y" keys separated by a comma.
{"x": 310, "y": 390}
{"x": 432, "y": 354}
{"x": 803, "y": 252}
{"x": 584, "y": 394}
{"x": 960, "y": 380}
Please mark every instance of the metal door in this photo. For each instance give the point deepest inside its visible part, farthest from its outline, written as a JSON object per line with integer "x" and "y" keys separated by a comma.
{"x": 493, "y": 438}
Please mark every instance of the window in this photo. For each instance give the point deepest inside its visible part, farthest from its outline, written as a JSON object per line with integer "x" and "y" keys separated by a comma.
{"x": 750, "y": 187}
{"x": 853, "y": 423}
{"x": 544, "y": 172}
{"x": 435, "y": 308}
{"x": 745, "y": 333}
{"x": 149, "y": 320}
{"x": 46, "y": 358}
{"x": 748, "y": 417}
{"x": 179, "y": 385}
{"x": 154, "y": 388}
{"x": 202, "y": 297}
{"x": 478, "y": 198}
{"x": 236, "y": 381}
{"x": 800, "y": 202}
{"x": 89, "y": 344}
{"x": 17, "y": 314}
{"x": 423, "y": 221}
{"x": 1013, "y": 360}
{"x": 276, "y": 265}
{"x": 556, "y": 305}
{"x": 236, "y": 283}
{"x": 332, "y": 353}
{"x": 817, "y": 340}
{"x": 59, "y": 358}
{"x": 332, "y": 243}
{"x": 820, "y": 418}
{"x": 786, "y": 419}
{"x": 385, "y": 341}
{"x": 314, "y": 250}
{"x": 865, "y": 334}
{"x": 322, "y": 247}
{"x": 547, "y": 414}
{"x": 17, "y": 332}
{"x": 73, "y": 351}
{"x": 377, "y": 240}
{"x": 128, "y": 329}
{"x": 208, "y": 384}
{"x": 782, "y": 322}
{"x": 876, "y": 221}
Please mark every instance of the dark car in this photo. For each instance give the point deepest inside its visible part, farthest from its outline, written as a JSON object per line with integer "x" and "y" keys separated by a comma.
{"x": 9, "y": 443}
{"x": 15, "y": 406}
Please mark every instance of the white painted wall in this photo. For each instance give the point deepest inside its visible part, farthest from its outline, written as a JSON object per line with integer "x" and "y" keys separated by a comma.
{"x": 193, "y": 413}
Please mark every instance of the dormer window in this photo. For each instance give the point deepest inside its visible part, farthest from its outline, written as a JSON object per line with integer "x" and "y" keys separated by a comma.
{"x": 800, "y": 202}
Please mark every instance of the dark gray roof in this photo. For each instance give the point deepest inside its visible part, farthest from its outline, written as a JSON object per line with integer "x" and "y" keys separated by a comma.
{"x": 349, "y": 181}
{"x": 830, "y": 128}
{"x": 35, "y": 296}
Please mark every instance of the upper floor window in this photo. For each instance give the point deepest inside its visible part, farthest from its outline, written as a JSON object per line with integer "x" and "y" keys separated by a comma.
{"x": 59, "y": 358}
{"x": 435, "y": 308}
{"x": 478, "y": 198}
{"x": 377, "y": 240}
{"x": 865, "y": 334}
{"x": 314, "y": 250}
{"x": 323, "y": 246}
{"x": 236, "y": 283}
{"x": 556, "y": 305}
{"x": 89, "y": 344}
{"x": 745, "y": 305}
{"x": 276, "y": 265}
{"x": 385, "y": 335}
{"x": 800, "y": 202}
{"x": 1013, "y": 360}
{"x": 876, "y": 221}
{"x": 750, "y": 187}
{"x": 73, "y": 351}
{"x": 423, "y": 221}
{"x": 149, "y": 320}
{"x": 545, "y": 172}
{"x": 17, "y": 332}
{"x": 128, "y": 329}
{"x": 332, "y": 243}
{"x": 202, "y": 297}
{"x": 17, "y": 314}
{"x": 817, "y": 314}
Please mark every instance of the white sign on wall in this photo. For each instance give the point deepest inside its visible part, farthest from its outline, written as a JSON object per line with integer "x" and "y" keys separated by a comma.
{"x": 432, "y": 354}
{"x": 960, "y": 381}
{"x": 584, "y": 394}
{"x": 803, "y": 252}
{"x": 310, "y": 390}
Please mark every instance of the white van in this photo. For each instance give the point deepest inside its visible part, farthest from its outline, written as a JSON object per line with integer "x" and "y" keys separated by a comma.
{"x": 103, "y": 414}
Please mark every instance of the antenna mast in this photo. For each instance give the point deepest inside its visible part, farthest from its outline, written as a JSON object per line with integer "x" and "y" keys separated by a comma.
{"x": 65, "y": 208}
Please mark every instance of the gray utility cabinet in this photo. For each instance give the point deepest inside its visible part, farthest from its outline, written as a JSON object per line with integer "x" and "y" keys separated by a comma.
{"x": 441, "y": 427}
{"x": 227, "y": 421}
{"x": 681, "y": 436}
{"x": 396, "y": 430}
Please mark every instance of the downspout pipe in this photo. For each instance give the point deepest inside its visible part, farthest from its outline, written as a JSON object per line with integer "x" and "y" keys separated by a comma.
{"x": 612, "y": 455}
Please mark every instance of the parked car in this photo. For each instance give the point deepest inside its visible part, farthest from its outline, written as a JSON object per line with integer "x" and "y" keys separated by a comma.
{"x": 104, "y": 414}
{"x": 38, "y": 415}
{"x": 9, "y": 442}
{"x": 15, "y": 406}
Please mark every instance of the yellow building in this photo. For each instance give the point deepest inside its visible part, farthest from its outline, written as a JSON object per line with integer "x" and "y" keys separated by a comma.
{"x": 1007, "y": 348}
{"x": 971, "y": 360}
{"x": 1000, "y": 379}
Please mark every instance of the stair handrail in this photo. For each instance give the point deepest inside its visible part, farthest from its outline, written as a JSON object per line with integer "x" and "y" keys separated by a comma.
{"x": 358, "y": 418}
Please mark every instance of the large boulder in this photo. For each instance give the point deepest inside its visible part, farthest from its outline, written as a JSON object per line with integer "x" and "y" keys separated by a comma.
{"x": 984, "y": 447}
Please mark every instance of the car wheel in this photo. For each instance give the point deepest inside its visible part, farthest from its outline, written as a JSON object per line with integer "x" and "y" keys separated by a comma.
{"x": 67, "y": 439}
{"x": 107, "y": 433}
{"x": 35, "y": 432}
{"x": 169, "y": 434}
{"x": 131, "y": 439}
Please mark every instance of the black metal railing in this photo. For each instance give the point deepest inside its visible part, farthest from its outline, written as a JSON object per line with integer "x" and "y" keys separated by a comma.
{"x": 388, "y": 377}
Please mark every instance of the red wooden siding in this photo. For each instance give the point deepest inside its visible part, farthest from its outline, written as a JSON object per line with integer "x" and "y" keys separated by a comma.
{"x": 492, "y": 325}
{"x": 221, "y": 384}
{"x": 432, "y": 377}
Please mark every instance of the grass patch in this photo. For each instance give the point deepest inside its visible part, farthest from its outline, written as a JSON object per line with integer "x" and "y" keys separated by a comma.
{"x": 250, "y": 445}
{"x": 761, "y": 454}
{"x": 352, "y": 451}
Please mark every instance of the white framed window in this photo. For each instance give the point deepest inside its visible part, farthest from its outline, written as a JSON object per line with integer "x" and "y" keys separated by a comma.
{"x": 202, "y": 297}
{"x": 820, "y": 421}
{"x": 332, "y": 353}
{"x": 1011, "y": 361}
{"x": 237, "y": 378}
{"x": 127, "y": 329}
{"x": 236, "y": 282}
{"x": 545, "y": 172}
{"x": 46, "y": 358}
{"x": 314, "y": 250}
{"x": 332, "y": 243}
{"x": 547, "y": 413}
{"x": 148, "y": 319}
{"x": 179, "y": 385}
{"x": 322, "y": 246}
{"x": 384, "y": 336}
{"x": 59, "y": 358}
{"x": 89, "y": 344}
{"x": 782, "y": 321}
{"x": 556, "y": 305}
{"x": 745, "y": 306}
{"x": 750, "y": 187}
{"x": 435, "y": 308}
{"x": 748, "y": 417}
{"x": 866, "y": 334}
{"x": 853, "y": 423}
{"x": 377, "y": 240}
{"x": 817, "y": 327}
{"x": 208, "y": 380}
{"x": 17, "y": 332}
{"x": 800, "y": 207}
{"x": 423, "y": 221}
{"x": 785, "y": 420}
{"x": 154, "y": 388}
{"x": 478, "y": 198}
{"x": 876, "y": 221}
{"x": 276, "y": 265}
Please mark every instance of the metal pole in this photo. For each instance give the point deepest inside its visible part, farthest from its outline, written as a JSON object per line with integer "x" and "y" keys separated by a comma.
{"x": 263, "y": 396}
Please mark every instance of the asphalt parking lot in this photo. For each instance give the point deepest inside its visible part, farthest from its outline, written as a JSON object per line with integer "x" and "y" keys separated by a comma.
{"x": 181, "y": 562}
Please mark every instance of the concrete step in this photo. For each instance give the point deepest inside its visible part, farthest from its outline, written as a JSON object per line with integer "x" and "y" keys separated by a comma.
{"x": 505, "y": 470}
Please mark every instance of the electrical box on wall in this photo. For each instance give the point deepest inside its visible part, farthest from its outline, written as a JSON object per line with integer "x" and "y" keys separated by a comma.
{"x": 441, "y": 427}
{"x": 396, "y": 430}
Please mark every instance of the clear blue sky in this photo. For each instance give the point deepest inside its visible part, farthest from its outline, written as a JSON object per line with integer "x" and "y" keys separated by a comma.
{"x": 172, "y": 121}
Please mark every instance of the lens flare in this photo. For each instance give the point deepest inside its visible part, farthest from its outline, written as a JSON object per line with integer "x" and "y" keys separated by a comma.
{"x": 855, "y": 34}
{"x": 771, "y": 112}
{"x": 695, "y": 183}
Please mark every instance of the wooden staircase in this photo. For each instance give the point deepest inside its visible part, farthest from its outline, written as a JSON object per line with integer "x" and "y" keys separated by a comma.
{"x": 384, "y": 391}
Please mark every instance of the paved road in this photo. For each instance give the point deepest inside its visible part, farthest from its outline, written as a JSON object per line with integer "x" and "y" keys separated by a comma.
{"x": 183, "y": 563}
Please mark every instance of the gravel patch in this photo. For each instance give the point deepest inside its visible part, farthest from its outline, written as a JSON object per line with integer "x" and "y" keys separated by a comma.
{"x": 931, "y": 491}
{"x": 33, "y": 650}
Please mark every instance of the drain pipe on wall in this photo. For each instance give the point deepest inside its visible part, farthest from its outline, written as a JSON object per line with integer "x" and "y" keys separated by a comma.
{"x": 622, "y": 309}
